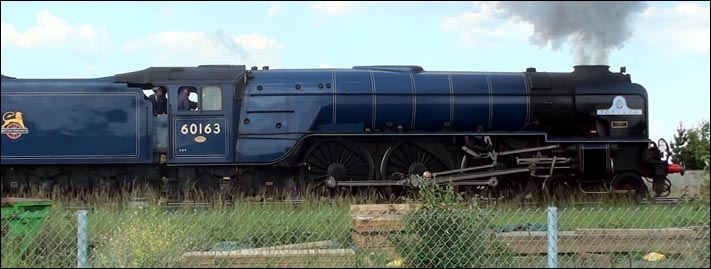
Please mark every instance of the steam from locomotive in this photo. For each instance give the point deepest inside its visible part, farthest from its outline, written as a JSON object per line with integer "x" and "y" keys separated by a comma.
{"x": 593, "y": 28}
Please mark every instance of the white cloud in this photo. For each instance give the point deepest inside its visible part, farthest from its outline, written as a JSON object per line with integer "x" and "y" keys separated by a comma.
{"x": 9, "y": 33}
{"x": 325, "y": 65}
{"x": 484, "y": 28}
{"x": 275, "y": 9}
{"x": 682, "y": 29}
{"x": 257, "y": 44}
{"x": 52, "y": 31}
{"x": 196, "y": 48}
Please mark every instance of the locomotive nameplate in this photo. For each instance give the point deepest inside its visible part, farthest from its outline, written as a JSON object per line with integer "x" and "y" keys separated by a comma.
{"x": 619, "y": 107}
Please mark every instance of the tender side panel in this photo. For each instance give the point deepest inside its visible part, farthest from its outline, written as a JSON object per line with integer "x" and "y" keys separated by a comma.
{"x": 75, "y": 127}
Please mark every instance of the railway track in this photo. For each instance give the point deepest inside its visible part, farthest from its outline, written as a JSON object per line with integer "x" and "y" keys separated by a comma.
{"x": 142, "y": 203}
{"x": 198, "y": 199}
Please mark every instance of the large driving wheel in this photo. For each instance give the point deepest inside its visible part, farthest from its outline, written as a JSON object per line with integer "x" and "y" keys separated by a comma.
{"x": 408, "y": 158}
{"x": 330, "y": 162}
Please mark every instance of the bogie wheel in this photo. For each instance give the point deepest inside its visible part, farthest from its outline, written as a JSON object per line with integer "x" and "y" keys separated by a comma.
{"x": 326, "y": 161}
{"x": 629, "y": 181}
{"x": 558, "y": 188}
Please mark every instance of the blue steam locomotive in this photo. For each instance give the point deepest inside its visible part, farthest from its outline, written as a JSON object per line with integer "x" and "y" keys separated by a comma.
{"x": 369, "y": 127}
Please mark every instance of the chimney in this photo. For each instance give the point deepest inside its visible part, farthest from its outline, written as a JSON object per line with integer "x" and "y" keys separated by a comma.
{"x": 591, "y": 69}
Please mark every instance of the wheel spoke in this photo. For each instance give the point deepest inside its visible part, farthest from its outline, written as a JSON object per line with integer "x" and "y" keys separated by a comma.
{"x": 351, "y": 161}
{"x": 341, "y": 155}
{"x": 321, "y": 156}
{"x": 421, "y": 156}
{"x": 427, "y": 161}
{"x": 406, "y": 156}
{"x": 412, "y": 152}
{"x": 328, "y": 153}
{"x": 401, "y": 159}
{"x": 319, "y": 165}
{"x": 343, "y": 161}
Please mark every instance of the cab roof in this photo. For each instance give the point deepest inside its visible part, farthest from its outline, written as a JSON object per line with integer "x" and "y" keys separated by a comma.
{"x": 166, "y": 74}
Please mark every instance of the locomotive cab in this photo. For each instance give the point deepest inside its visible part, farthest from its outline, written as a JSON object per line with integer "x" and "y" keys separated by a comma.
{"x": 202, "y": 108}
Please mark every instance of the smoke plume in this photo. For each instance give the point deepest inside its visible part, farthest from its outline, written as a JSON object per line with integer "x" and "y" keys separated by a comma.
{"x": 221, "y": 38}
{"x": 593, "y": 28}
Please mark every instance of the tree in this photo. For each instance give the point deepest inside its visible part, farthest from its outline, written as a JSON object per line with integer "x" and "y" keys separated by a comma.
{"x": 678, "y": 144}
{"x": 705, "y": 191}
{"x": 691, "y": 146}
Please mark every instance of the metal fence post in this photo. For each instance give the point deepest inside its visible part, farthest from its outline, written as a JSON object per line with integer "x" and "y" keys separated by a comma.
{"x": 552, "y": 237}
{"x": 82, "y": 231}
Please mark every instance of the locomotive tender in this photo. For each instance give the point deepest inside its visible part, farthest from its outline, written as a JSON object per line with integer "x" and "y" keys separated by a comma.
{"x": 384, "y": 127}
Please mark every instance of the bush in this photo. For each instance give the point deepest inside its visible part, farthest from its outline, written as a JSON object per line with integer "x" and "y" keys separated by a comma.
{"x": 442, "y": 232}
{"x": 143, "y": 239}
{"x": 691, "y": 146}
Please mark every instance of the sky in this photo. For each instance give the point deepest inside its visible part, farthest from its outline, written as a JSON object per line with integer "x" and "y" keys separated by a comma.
{"x": 663, "y": 45}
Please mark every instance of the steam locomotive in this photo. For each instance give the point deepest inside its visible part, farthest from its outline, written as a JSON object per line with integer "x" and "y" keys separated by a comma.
{"x": 384, "y": 128}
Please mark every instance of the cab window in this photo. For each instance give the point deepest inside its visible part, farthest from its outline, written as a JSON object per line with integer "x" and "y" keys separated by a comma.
{"x": 187, "y": 98}
{"x": 211, "y": 98}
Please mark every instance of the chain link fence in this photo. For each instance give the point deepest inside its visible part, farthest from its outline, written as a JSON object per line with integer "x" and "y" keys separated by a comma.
{"x": 384, "y": 235}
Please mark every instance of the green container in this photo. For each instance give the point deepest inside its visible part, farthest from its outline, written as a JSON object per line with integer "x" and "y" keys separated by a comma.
{"x": 21, "y": 221}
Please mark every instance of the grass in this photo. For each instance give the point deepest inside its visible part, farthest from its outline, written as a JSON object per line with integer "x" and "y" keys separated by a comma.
{"x": 618, "y": 260}
{"x": 173, "y": 232}
{"x": 157, "y": 236}
{"x": 151, "y": 233}
{"x": 199, "y": 198}
{"x": 617, "y": 217}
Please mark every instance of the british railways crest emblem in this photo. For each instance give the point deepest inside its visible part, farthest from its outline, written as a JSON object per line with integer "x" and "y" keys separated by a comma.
{"x": 13, "y": 125}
